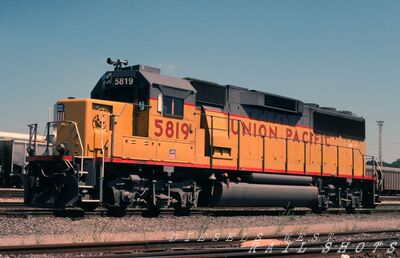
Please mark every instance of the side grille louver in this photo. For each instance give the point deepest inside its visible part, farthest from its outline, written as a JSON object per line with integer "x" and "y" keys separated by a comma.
{"x": 281, "y": 103}
{"x": 337, "y": 125}
{"x": 210, "y": 94}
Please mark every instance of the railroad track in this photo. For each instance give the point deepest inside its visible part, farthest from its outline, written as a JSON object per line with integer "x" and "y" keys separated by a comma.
{"x": 17, "y": 209}
{"x": 11, "y": 204}
{"x": 252, "y": 246}
{"x": 11, "y": 193}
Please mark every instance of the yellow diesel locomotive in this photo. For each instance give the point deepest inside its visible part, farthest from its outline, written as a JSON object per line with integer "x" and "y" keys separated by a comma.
{"x": 148, "y": 140}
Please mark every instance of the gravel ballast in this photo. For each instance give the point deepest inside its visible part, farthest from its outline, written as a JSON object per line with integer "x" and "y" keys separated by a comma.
{"x": 90, "y": 225}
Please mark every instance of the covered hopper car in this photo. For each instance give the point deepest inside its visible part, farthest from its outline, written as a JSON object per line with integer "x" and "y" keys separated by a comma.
{"x": 13, "y": 154}
{"x": 150, "y": 140}
{"x": 388, "y": 179}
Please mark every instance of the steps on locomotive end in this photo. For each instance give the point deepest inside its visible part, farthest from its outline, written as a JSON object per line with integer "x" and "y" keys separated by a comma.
{"x": 90, "y": 201}
{"x": 86, "y": 186}
{"x": 81, "y": 173}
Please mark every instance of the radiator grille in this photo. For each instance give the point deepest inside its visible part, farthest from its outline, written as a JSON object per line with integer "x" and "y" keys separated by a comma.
{"x": 210, "y": 94}
{"x": 336, "y": 125}
{"x": 281, "y": 103}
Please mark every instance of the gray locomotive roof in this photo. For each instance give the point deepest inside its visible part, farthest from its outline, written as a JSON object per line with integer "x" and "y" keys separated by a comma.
{"x": 168, "y": 81}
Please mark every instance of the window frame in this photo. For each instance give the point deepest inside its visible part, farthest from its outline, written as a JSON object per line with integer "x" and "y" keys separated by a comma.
{"x": 173, "y": 100}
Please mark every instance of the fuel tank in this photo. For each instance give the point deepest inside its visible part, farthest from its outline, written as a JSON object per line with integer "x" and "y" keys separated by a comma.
{"x": 262, "y": 195}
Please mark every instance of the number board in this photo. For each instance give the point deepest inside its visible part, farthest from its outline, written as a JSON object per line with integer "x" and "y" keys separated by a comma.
{"x": 124, "y": 81}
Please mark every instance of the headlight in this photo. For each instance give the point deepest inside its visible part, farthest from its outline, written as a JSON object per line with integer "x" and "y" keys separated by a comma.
{"x": 61, "y": 149}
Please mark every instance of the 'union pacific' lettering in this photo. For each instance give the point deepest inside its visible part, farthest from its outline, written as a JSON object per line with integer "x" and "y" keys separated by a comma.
{"x": 271, "y": 131}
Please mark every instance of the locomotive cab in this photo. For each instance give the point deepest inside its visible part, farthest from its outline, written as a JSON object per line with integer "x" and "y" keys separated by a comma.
{"x": 129, "y": 111}
{"x": 124, "y": 103}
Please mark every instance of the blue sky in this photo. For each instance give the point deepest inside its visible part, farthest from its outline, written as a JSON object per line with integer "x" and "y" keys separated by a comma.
{"x": 343, "y": 54}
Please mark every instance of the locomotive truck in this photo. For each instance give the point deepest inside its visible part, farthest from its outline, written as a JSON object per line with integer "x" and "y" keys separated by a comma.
{"x": 144, "y": 139}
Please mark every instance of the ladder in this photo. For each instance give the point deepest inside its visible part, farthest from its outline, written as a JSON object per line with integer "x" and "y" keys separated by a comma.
{"x": 87, "y": 178}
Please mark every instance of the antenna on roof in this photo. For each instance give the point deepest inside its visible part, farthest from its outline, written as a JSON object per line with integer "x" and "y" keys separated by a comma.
{"x": 118, "y": 64}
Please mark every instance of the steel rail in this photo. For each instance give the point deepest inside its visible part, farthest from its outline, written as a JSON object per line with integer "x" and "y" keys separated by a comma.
{"x": 309, "y": 249}
{"x": 206, "y": 248}
{"x": 18, "y": 209}
{"x": 11, "y": 192}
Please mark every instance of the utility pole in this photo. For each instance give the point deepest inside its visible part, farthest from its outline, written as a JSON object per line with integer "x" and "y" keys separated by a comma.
{"x": 380, "y": 126}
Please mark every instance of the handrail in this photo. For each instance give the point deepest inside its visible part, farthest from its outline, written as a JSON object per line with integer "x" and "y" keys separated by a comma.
{"x": 112, "y": 116}
{"x": 32, "y": 139}
{"x": 282, "y": 138}
{"x": 102, "y": 161}
{"x": 77, "y": 132}
{"x": 377, "y": 170}
{"x": 286, "y": 139}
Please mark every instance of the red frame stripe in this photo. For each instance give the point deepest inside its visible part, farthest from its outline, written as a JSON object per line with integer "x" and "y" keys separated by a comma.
{"x": 191, "y": 165}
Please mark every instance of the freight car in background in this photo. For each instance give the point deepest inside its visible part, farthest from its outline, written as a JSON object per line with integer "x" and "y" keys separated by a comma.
{"x": 13, "y": 152}
{"x": 388, "y": 180}
{"x": 150, "y": 140}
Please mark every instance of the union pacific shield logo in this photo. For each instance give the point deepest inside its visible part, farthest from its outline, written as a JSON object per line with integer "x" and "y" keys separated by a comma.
{"x": 60, "y": 112}
{"x": 172, "y": 154}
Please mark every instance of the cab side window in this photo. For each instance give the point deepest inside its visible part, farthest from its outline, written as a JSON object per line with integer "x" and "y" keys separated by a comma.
{"x": 172, "y": 106}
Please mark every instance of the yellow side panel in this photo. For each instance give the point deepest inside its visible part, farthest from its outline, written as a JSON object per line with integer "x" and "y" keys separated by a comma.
{"x": 200, "y": 138}
{"x": 75, "y": 110}
{"x": 250, "y": 154}
{"x": 313, "y": 158}
{"x": 219, "y": 122}
{"x": 224, "y": 162}
{"x": 275, "y": 154}
{"x": 295, "y": 156}
{"x": 222, "y": 142}
{"x": 138, "y": 148}
{"x": 141, "y": 123}
{"x": 261, "y": 153}
{"x": 358, "y": 162}
{"x": 170, "y": 151}
{"x": 123, "y": 125}
{"x": 330, "y": 160}
{"x": 345, "y": 162}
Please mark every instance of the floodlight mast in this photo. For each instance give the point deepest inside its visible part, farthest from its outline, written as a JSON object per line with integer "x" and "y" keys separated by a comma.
{"x": 380, "y": 127}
